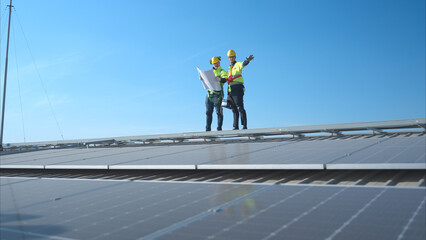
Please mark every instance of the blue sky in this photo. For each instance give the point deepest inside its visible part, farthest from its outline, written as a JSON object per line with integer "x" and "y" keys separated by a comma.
{"x": 125, "y": 68}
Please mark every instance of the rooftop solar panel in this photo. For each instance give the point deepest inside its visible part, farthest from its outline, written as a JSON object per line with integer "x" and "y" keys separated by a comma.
{"x": 368, "y": 151}
{"x": 314, "y": 213}
{"x": 401, "y": 149}
{"x": 56, "y": 156}
{"x": 301, "y": 151}
{"x": 83, "y": 209}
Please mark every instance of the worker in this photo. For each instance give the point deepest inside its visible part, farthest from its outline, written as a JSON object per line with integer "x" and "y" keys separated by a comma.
{"x": 236, "y": 88}
{"x": 214, "y": 98}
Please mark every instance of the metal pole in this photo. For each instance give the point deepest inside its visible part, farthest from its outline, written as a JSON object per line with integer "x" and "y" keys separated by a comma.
{"x": 5, "y": 78}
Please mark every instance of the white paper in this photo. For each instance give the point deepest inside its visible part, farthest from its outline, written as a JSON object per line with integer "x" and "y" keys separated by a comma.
{"x": 209, "y": 80}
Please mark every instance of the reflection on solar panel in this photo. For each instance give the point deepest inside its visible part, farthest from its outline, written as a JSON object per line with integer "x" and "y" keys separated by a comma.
{"x": 83, "y": 209}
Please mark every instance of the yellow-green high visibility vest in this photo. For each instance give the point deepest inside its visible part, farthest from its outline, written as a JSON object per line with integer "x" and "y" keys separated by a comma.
{"x": 234, "y": 74}
{"x": 219, "y": 72}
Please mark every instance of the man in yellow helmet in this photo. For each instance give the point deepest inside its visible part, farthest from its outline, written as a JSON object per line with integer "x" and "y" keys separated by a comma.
{"x": 236, "y": 88}
{"x": 214, "y": 98}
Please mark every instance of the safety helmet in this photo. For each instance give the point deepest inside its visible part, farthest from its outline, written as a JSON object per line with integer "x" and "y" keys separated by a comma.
{"x": 231, "y": 53}
{"x": 214, "y": 60}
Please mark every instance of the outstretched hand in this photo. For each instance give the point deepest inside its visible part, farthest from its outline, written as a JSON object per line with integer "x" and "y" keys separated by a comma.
{"x": 249, "y": 58}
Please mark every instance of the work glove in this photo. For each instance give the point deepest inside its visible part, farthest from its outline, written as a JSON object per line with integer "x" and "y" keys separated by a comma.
{"x": 218, "y": 79}
{"x": 249, "y": 58}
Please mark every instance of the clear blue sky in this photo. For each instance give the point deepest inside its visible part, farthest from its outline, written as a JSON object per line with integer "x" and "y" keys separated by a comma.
{"x": 124, "y": 68}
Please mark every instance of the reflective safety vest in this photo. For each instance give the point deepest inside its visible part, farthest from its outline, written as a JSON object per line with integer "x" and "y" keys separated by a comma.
{"x": 234, "y": 74}
{"x": 219, "y": 72}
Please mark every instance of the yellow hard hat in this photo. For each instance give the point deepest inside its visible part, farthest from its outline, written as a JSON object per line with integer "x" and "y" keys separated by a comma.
{"x": 231, "y": 53}
{"x": 214, "y": 60}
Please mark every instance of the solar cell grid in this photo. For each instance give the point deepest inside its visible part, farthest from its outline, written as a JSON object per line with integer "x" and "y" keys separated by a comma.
{"x": 106, "y": 203}
{"x": 307, "y": 213}
{"x": 391, "y": 150}
{"x": 35, "y": 153}
{"x": 415, "y": 228}
{"x": 140, "y": 210}
{"x": 202, "y": 153}
{"x": 316, "y": 151}
{"x": 66, "y": 156}
{"x": 46, "y": 156}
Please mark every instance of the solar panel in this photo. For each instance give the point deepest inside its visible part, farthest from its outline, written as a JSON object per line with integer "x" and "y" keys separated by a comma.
{"x": 371, "y": 151}
{"x": 56, "y": 156}
{"x": 400, "y": 149}
{"x": 10, "y": 181}
{"x": 301, "y": 151}
{"x": 316, "y": 213}
{"x": 84, "y": 209}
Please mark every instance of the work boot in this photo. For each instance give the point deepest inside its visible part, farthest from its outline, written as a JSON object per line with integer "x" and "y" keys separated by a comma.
{"x": 208, "y": 129}
{"x": 244, "y": 127}
{"x": 235, "y": 128}
{"x": 219, "y": 129}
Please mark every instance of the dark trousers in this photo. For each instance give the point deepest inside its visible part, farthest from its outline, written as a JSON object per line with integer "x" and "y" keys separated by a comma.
{"x": 214, "y": 101}
{"x": 237, "y": 103}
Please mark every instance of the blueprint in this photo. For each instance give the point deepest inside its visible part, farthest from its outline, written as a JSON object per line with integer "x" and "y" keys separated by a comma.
{"x": 209, "y": 80}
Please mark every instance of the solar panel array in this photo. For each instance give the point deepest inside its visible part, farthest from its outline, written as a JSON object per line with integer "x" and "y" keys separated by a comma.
{"x": 84, "y": 209}
{"x": 36, "y": 208}
{"x": 399, "y": 150}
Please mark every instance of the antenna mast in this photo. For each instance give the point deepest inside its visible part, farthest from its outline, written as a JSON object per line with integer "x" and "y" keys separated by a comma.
{"x": 5, "y": 77}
